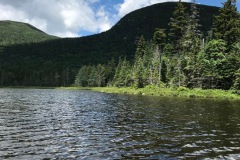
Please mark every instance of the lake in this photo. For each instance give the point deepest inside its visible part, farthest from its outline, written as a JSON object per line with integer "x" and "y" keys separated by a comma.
{"x": 67, "y": 124}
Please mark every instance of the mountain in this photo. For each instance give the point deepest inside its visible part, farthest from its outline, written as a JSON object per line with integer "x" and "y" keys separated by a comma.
{"x": 19, "y": 33}
{"x": 55, "y": 61}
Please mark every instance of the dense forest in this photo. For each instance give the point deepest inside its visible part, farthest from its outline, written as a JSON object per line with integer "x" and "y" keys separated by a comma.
{"x": 29, "y": 57}
{"x": 179, "y": 55}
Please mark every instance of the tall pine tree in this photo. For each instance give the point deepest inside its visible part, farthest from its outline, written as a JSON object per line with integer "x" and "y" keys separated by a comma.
{"x": 159, "y": 38}
{"x": 226, "y": 25}
{"x": 190, "y": 40}
{"x": 177, "y": 25}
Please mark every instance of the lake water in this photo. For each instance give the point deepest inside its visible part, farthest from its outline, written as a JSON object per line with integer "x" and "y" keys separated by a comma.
{"x": 59, "y": 124}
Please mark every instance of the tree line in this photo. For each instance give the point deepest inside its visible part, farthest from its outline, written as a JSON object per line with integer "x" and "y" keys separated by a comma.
{"x": 178, "y": 56}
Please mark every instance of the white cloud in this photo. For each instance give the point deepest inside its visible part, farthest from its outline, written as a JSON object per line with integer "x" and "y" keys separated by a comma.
{"x": 130, "y": 5}
{"x": 57, "y": 17}
{"x": 104, "y": 20}
{"x": 67, "y": 34}
{"x": 69, "y": 18}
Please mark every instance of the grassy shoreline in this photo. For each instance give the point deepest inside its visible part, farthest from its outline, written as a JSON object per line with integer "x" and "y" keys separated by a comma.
{"x": 164, "y": 92}
{"x": 153, "y": 91}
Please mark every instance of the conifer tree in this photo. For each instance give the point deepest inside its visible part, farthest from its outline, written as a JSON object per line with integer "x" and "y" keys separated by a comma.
{"x": 93, "y": 76}
{"x": 226, "y": 25}
{"x": 141, "y": 45}
{"x": 194, "y": 21}
{"x": 138, "y": 73}
{"x": 110, "y": 71}
{"x": 155, "y": 67}
{"x": 177, "y": 25}
{"x": 215, "y": 56}
{"x": 159, "y": 38}
{"x": 82, "y": 76}
{"x": 190, "y": 40}
{"x": 116, "y": 78}
{"x": 164, "y": 70}
{"x": 101, "y": 75}
{"x": 138, "y": 63}
{"x": 147, "y": 63}
{"x": 168, "y": 49}
{"x": 123, "y": 73}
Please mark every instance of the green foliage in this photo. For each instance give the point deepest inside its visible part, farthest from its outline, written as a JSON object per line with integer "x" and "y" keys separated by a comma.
{"x": 183, "y": 89}
{"x": 237, "y": 80}
{"x": 138, "y": 71}
{"x": 226, "y": 24}
{"x": 215, "y": 50}
{"x": 141, "y": 45}
{"x": 159, "y": 38}
{"x": 168, "y": 49}
{"x": 82, "y": 77}
{"x": 168, "y": 92}
{"x": 123, "y": 74}
{"x": 95, "y": 76}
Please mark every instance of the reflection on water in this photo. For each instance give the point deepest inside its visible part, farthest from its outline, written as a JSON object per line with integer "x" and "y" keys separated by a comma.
{"x": 56, "y": 124}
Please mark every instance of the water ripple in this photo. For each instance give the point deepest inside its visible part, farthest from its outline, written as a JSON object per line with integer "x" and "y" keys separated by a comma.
{"x": 56, "y": 124}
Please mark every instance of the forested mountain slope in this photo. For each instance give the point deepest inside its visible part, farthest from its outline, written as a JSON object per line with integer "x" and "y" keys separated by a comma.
{"x": 12, "y": 33}
{"x": 56, "y": 61}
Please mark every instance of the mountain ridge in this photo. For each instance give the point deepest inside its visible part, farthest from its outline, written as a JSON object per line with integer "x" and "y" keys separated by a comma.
{"x": 43, "y": 59}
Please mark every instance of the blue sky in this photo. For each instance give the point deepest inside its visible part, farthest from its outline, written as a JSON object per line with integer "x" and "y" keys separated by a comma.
{"x": 217, "y": 3}
{"x": 74, "y": 18}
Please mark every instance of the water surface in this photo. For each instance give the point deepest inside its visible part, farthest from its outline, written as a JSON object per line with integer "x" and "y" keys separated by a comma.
{"x": 59, "y": 124}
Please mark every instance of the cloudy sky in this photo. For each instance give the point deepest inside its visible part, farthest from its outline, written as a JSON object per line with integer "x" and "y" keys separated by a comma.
{"x": 74, "y": 18}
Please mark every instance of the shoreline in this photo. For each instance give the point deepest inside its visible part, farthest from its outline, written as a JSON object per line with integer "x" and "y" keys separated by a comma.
{"x": 181, "y": 92}
{"x": 151, "y": 90}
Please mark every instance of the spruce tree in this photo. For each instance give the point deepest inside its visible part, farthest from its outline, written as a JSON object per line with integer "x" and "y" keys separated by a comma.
{"x": 138, "y": 73}
{"x": 159, "y": 38}
{"x": 101, "y": 75}
{"x": 110, "y": 71}
{"x": 123, "y": 73}
{"x": 147, "y": 62}
{"x": 155, "y": 67}
{"x": 226, "y": 25}
{"x": 141, "y": 45}
{"x": 177, "y": 25}
{"x": 82, "y": 77}
{"x": 190, "y": 40}
{"x": 138, "y": 63}
{"x": 194, "y": 21}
